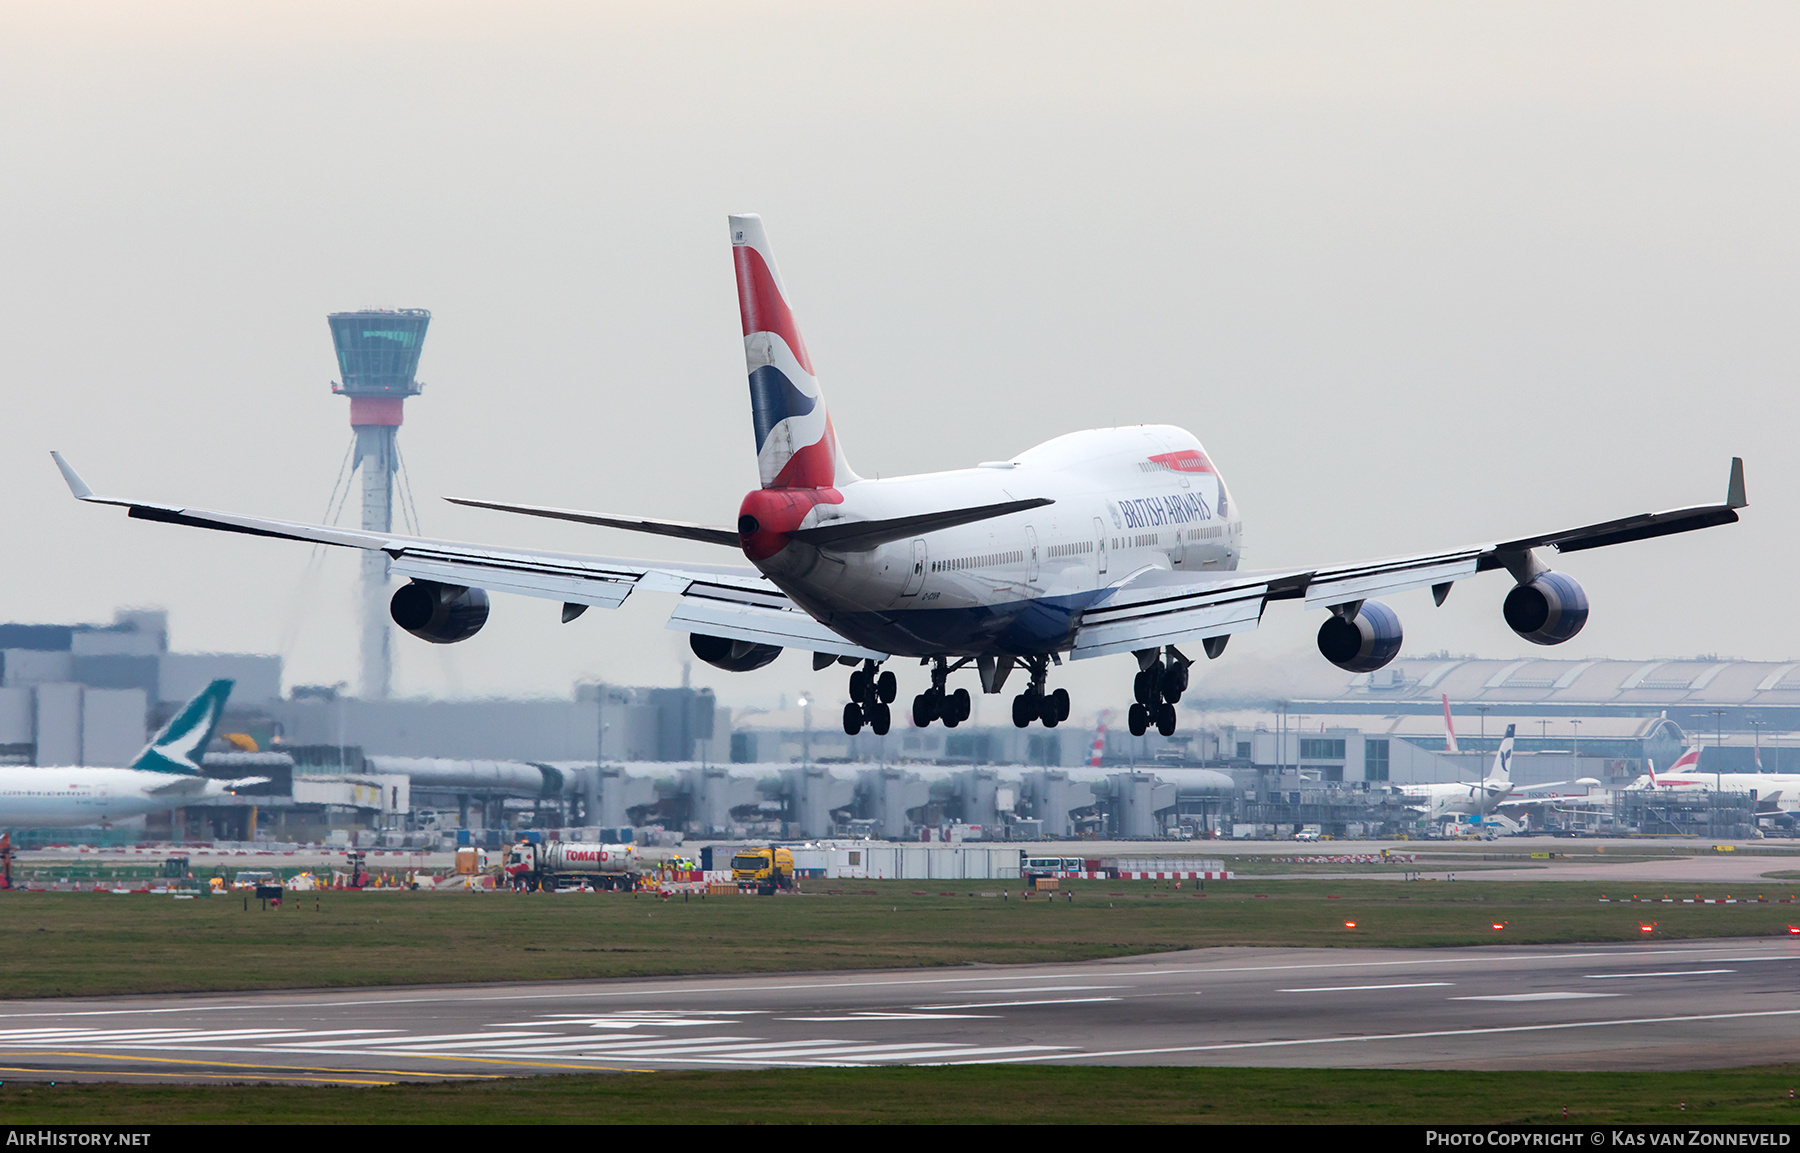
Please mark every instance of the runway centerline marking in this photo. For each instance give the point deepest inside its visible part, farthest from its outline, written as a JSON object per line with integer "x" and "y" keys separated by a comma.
{"x": 1046, "y": 989}
{"x": 1361, "y": 988}
{"x": 1003, "y": 1004}
{"x": 1673, "y": 973}
{"x": 1556, "y": 995}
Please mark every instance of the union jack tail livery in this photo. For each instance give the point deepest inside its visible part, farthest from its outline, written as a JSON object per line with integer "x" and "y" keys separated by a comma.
{"x": 1449, "y": 727}
{"x": 796, "y": 447}
{"x": 1099, "y": 747}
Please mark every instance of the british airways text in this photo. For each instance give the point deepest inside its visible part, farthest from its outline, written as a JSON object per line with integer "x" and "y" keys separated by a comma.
{"x": 1150, "y": 512}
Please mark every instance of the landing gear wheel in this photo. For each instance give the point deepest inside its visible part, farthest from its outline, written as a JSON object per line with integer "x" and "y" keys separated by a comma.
{"x": 957, "y": 705}
{"x": 1149, "y": 684}
{"x": 1048, "y": 710}
{"x": 925, "y": 708}
{"x": 1174, "y": 683}
{"x": 1138, "y": 720}
{"x": 853, "y": 718}
{"x": 887, "y": 687}
{"x": 1061, "y": 697}
{"x": 881, "y": 718}
{"x": 1024, "y": 708}
{"x": 1165, "y": 720}
{"x": 859, "y": 685}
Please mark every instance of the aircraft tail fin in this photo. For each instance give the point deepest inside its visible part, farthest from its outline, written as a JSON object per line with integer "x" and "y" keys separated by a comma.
{"x": 796, "y": 446}
{"x": 178, "y": 746}
{"x": 1688, "y": 762}
{"x": 1449, "y": 727}
{"x": 1502, "y": 771}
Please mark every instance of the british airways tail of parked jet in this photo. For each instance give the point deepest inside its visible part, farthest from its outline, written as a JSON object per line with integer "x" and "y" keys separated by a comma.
{"x": 1097, "y": 543}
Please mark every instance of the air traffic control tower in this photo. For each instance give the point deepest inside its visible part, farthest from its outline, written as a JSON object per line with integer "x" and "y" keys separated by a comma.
{"x": 378, "y": 353}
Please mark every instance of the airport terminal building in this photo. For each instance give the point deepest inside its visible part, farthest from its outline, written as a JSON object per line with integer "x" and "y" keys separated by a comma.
{"x": 1335, "y": 755}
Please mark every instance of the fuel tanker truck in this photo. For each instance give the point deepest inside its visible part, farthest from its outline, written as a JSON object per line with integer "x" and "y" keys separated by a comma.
{"x": 556, "y": 865}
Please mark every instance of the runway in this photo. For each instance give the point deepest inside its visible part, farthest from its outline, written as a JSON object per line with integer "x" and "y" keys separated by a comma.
{"x": 1649, "y": 1005}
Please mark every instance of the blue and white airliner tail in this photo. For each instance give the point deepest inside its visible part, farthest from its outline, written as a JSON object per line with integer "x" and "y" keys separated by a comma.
{"x": 166, "y": 775}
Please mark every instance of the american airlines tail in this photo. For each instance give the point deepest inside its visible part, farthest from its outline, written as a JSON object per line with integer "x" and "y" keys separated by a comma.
{"x": 796, "y": 446}
{"x": 179, "y": 745}
{"x": 1502, "y": 770}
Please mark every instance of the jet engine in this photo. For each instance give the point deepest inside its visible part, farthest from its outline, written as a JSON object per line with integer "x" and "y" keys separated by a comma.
{"x": 1546, "y": 610}
{"x": 732, "y": 656}
{"x": 1364, "y": 644}
{"x": 440, "y": 613}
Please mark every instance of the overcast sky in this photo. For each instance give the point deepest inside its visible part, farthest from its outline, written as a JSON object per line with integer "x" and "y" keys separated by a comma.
{"x": 1418, "y": 275}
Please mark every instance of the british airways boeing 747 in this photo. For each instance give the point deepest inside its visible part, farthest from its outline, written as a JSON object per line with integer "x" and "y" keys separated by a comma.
{"x": 1111, "y": 541}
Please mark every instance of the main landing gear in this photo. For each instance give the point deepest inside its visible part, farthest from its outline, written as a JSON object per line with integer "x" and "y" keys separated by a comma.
{"x": 1158, "y": 686}
{"x": 870, "y": 695}
{"x": 938, "y": 702}
{"x": 1036, "y": 704}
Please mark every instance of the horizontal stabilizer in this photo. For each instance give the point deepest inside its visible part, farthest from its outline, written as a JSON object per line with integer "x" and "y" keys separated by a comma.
{"x": 858, "y": 535}
{"x": 674, "y": 528}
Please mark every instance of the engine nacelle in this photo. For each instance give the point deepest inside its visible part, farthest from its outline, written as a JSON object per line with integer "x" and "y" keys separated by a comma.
{"x": 1546, "y": 610}
{"x": 732, "y": 656}
{"x": 440, "y": 613}
{"x": 1365, "y": 644}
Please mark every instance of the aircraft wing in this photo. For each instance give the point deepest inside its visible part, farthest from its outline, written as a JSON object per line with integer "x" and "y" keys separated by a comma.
{"x": 570, "y": 578}
{"x": 1158, "y": 607}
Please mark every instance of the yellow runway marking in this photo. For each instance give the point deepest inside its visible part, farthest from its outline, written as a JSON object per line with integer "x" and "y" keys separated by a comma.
{"x": 202, "y": 1076}
{"x": 240, "y": 1065}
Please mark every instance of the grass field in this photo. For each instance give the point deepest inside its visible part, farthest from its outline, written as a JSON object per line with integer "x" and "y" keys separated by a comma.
{"x": 999, "y": 1094}
{"x": 63, "y": 944}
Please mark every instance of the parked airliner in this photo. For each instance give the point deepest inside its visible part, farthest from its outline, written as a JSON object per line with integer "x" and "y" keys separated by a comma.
{"x": 1775, "y": 792}
{"x": 166, "y": 775}
{"x": 1471, "y": 801}
{"x": 1119, "y": 540}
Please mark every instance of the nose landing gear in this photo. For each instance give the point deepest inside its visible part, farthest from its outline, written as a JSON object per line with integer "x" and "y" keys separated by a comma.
{"x": 1158, "y": 686}
{"x": 870, "y": 695}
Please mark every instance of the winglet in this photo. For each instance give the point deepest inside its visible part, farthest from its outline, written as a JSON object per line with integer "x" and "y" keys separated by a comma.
{"x": 79, "y": 487}
{"x": 1734, "y": 489}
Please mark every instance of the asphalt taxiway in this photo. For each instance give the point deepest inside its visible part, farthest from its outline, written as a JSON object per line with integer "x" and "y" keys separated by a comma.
{"x": 1645, "y": 1005}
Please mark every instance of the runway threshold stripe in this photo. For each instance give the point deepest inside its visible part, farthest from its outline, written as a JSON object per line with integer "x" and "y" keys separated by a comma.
{"x": 1490, "y": 1031}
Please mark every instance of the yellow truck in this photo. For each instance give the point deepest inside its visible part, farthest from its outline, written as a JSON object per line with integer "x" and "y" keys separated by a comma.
{"x": 765, "y": 869}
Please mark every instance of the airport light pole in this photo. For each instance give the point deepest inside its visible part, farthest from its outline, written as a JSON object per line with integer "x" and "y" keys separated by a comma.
{"x": 1577, "y": 751}
{"x": 1719, "y": 743}
{"x": 805, "y": 731}
{"x": 1483, "y": 710}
